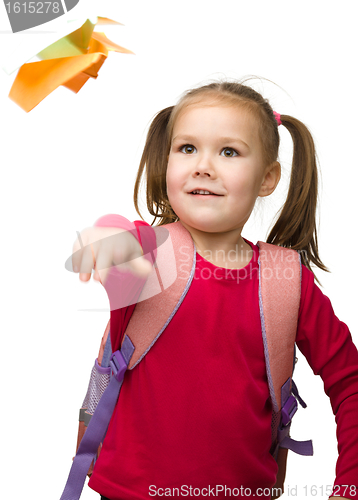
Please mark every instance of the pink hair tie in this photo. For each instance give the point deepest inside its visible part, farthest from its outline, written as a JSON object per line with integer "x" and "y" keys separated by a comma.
{"x": 278, "y": 118}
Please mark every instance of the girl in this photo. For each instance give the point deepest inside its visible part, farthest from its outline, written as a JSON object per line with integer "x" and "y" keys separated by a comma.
{"x": 196, "y": 410}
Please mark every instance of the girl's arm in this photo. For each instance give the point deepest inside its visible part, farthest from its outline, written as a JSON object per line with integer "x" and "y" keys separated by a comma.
{"x": 124, "y": 288}
{"x": 328, "y": 346}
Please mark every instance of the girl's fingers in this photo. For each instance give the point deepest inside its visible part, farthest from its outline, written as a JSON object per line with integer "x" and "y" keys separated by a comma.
{"x": 119, "y": 249}
{"x": 87, "y": 262}
{"x": 140, "y": 266}
{"x": 99, "y": 277}
{"x": 85, "y": 276}
{"x": 76, "y": 258}
{"x": 130, "y": 258}
{"x": 77, "y": 255}
{"x": 103, "y": 261}
{"x": 112, "y": 253}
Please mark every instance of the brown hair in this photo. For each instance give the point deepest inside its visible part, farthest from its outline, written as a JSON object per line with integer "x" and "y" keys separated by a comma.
{"x": 296, "y": 225}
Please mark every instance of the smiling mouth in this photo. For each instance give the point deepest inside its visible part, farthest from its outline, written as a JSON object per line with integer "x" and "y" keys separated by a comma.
{"x": 204, "y": 195}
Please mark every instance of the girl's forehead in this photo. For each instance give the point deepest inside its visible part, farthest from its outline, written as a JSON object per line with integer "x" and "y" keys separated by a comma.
{"x": 235, "y": 107}
{"x": 229, "y": 115}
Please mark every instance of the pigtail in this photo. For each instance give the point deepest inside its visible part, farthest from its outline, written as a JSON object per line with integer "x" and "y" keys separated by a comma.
{"x": 296, "y": 225}
{"x": 154, "y": 160}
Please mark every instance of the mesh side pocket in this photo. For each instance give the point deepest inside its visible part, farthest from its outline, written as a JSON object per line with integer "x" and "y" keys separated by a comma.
{"x": 275, "y": 422}
{"x": 100, "y": 378}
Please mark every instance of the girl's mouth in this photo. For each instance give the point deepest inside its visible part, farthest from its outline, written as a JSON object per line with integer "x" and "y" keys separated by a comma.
{"x": 201, "y": 192}
{"x": 204, "y": 195}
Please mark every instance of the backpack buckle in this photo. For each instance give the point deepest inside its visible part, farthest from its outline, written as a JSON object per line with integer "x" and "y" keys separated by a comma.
{"x": 118, "y": 365}
{"x": 288, "y": 410}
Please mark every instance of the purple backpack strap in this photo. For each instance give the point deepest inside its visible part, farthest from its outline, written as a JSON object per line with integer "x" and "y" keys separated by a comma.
{"x": 288, "y": 410}
{"x": 97, "y": 427}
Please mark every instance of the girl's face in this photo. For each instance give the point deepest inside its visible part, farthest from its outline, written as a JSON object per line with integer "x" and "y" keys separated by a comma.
{"x": 216, "y": 148}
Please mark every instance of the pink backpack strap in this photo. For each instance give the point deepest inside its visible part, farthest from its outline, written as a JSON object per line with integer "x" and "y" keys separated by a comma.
{"x": 279, "y": 300}
{"x": 171, "y": 275}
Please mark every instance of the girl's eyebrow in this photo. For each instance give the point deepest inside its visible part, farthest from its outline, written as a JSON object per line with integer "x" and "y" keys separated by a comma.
{"x": 183, "y": 138}
{"x": 189, "y": 138}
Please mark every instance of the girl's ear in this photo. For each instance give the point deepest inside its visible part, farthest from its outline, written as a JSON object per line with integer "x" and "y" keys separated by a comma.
{"x": 271, "y": 179}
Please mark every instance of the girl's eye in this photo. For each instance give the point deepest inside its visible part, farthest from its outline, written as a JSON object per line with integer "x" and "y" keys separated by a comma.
{"x": 188, "y": 149}
{"x": 229, "y": 152}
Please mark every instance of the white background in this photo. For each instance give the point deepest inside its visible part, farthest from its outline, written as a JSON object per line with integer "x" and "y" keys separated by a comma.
{"x": 74, "y": 158}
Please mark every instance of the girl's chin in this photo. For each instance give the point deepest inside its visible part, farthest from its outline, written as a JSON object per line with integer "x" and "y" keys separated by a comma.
{"x": 207, "y": 226}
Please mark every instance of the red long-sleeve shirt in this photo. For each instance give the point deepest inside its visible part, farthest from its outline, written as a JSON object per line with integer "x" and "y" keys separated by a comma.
{"x": 196, "y": 410}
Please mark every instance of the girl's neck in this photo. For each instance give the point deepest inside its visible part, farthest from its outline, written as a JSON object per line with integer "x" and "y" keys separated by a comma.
{"x": 228, "y": 250}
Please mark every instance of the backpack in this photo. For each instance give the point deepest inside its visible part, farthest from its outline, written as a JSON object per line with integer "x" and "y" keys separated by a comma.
{"x": 279, "y": 299}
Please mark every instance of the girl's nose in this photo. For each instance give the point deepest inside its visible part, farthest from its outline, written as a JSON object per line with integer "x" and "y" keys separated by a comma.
{"x": 204, "y": 165}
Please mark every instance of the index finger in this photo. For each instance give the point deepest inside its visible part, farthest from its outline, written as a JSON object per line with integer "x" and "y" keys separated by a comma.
{"x": 76, "y": 256}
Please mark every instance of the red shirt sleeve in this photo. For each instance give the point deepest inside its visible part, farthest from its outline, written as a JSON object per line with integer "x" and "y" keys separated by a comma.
{"x": 123, "y": 288}
{"x": 327, "y": 344}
